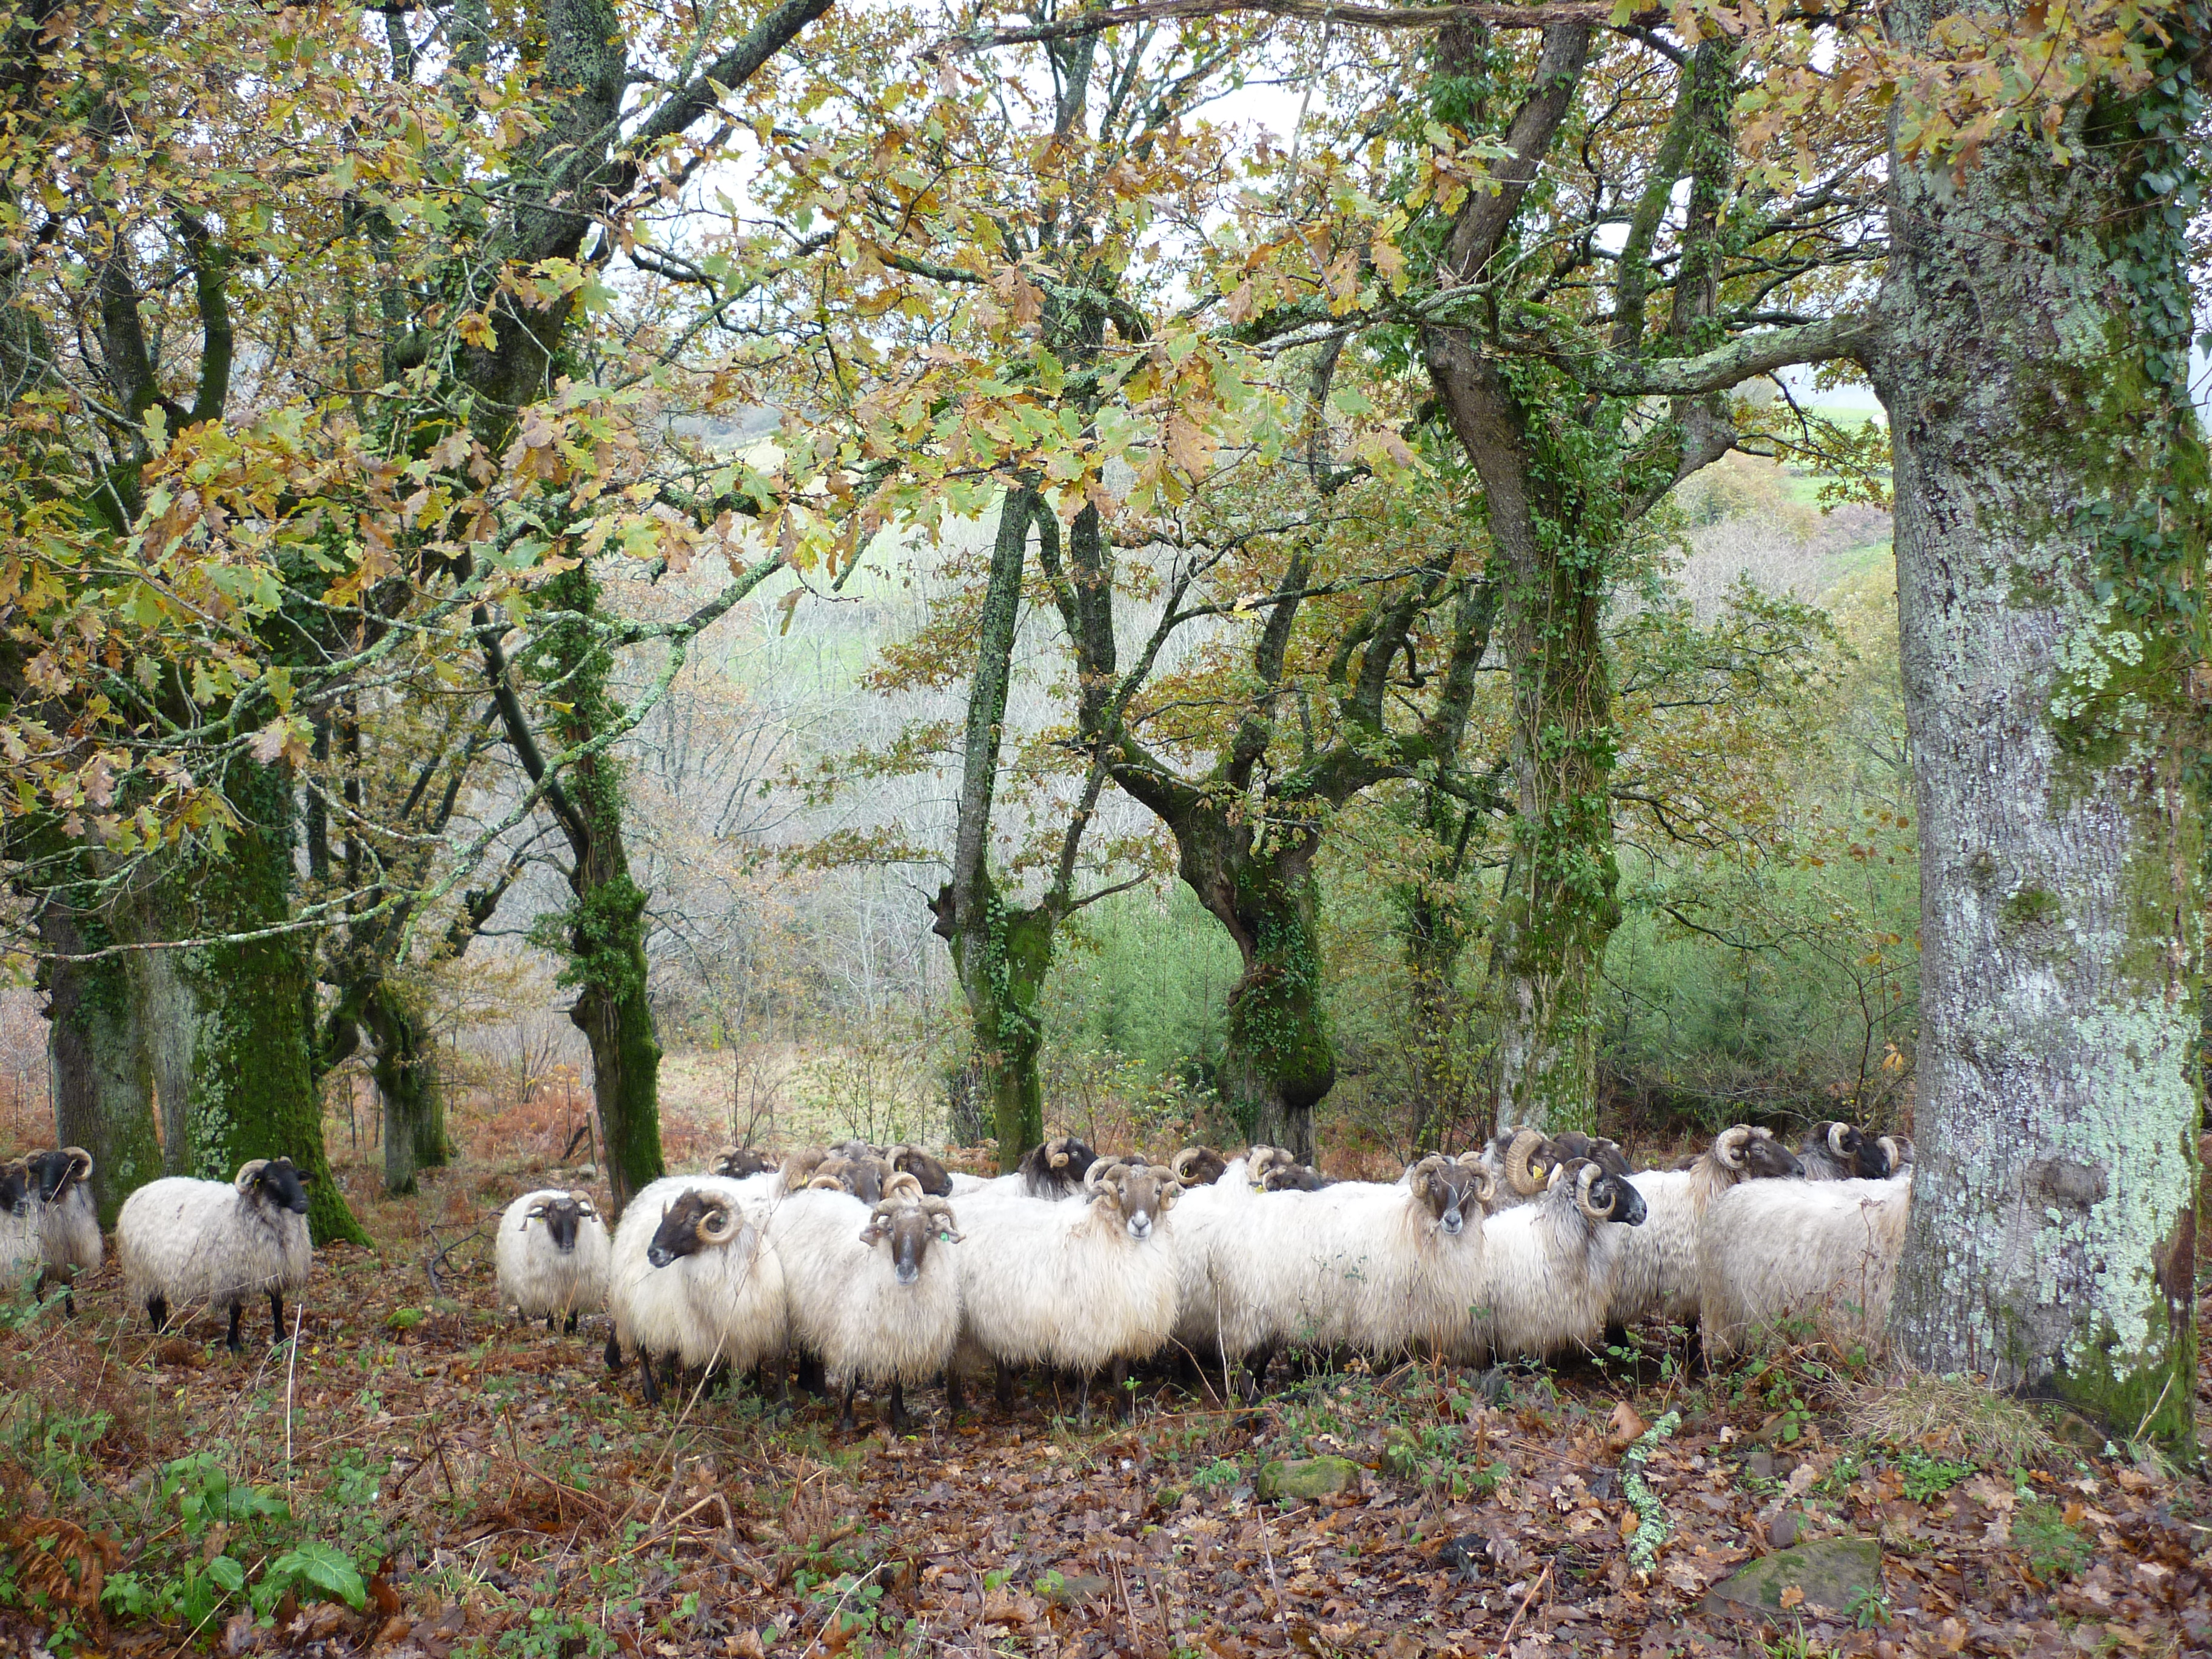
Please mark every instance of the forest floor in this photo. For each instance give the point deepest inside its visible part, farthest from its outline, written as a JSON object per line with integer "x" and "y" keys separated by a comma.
{"x": 419, "y": 1475}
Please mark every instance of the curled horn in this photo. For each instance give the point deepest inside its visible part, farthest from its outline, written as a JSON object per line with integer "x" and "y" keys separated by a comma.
{"x": 727, "y": 1154}
{"x": 1056, "y": 1153}
{"x": 1171, "y": 1186}
{"x": 1586, "y": 1176}
{"x": 825, "y": 1183}
{"x": 726, "y": 1231}
{"x": 902, "y": 1188}
{"x": 1837, "y": 1132}
{"x": 1180, "y": 1165}
{"x": 247, "y": 1171}
{"x": 1521, "y": 1158}
{"x": 582, "y": 1201}
{"x": 1108, "y": 1179}
{"x": 940, "y": 1213}
{"x": 1472, "y": 1160}
{"x": 1486, "y": 1185}
{"x": 1423, "y": 1175}
{"x": 1730, "y": 1145}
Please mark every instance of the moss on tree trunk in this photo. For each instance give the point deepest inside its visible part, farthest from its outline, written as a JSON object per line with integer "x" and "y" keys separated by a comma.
{"x": 407, "y": 1084}
{"x": 252, "y": 1082}
{"x": 2051, "y": 527}
{"x": 103, "y": 1089}
{"x": 1279, "y": 1060}
{"x": 1002, "y": 967}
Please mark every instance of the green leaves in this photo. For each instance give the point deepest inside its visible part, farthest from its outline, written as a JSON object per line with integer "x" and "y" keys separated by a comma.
{"x": 324, "y": 1568}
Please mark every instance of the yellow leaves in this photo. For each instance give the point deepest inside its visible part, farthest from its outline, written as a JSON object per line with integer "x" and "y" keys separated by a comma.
{"x": 476, "y": 327}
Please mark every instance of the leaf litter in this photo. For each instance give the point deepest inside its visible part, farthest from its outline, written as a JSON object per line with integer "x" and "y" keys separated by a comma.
{"x": 493, "y": 1489}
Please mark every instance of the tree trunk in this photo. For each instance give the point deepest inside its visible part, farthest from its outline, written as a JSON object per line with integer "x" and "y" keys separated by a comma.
{"x": 407, "y": 1084}
{"x": 603, "y": 931}
{"x": 1281, "y": 1061}
{"x": 252, "y": 1085}
{"x": 2051, "y": 524}
{"x": 101, "y": 1075}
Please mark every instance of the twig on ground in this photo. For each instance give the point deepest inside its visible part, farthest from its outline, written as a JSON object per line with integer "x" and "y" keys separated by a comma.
{"x": 1506, "y": 1640}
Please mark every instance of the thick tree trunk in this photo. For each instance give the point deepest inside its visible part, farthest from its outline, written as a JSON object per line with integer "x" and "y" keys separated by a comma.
{"x": 251, "y": 1089}
{"x": 2051, "y": 522}
{"x": 101, "y": 1075}
{"x": 1281, "y": 1061}
{"x": 407, "y": 1084}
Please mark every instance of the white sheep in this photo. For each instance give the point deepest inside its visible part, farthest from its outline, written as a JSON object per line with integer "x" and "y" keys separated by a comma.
{"x": 1550, "y": 1267}
{"x": 1825, "y": 1251}
{"x": 1359, "y": 1264}
{"x": 1054, "y": 1170}
{"x": 187, "y": 1242}
{"x": 552, "y": 1255}
{"x": 872, "y": 1293}
{"x": 1659, "y": 1260}
{"x": 1088, "y": 1286}
{"x": 66, "y": 1218}
{"x": 1203, "y": 1211}
{"x": 19, "y": 1237}
{"x": 691, "y": 1279}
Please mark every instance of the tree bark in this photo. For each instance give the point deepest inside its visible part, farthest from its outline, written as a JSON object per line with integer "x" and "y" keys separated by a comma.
{"x": 2052, "y": 525}
{"x": 101, "y": 1072}
{"x": 1001, "y": 952}
{"x": 407, "y": 1087}
{"x": 247, "y": 1004}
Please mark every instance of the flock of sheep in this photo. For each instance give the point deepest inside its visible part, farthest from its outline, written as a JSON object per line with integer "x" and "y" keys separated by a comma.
{"x": 853, "y": 1259}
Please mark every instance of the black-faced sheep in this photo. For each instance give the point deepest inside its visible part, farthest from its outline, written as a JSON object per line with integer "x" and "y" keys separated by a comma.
{"x": 1550, "y": 1267}
{"x": 552, "y": 1257}
{"x": 184, "y": 1241}
{"x": 1198, "y": 1166}
{"x": 736, "y": 1163}
{"x": 1054, "y": 1170}
{"x": 66, "y": 1218}
{"x": 1825, "y": 1252}
{"x": 936, "y": 1180}
{"x": 691, "y": 1279}
{"x": 1840, "y": 1152}
{"x": 1088, "y": 1286}
{"x": 1659, "y": 1264}
{"x": 873, "y": 1294}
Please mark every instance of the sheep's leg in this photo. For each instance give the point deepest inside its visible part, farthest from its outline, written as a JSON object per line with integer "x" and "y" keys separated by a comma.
{"x": 1083, "y": 1403}
{"x": 812, "y": 1377}
{"x": 235, "y": 1341}
{"x": 1003, "y": 1388}
{"x": 645, "y": 1371}
{"x": 1256, "y": 1373}
{"x": 1125, "y": 1403}
{"x": 157, "y": 1309}
{"x": 845, "y": 1423}
{"x": 275, "y": 1317}
{"x": 899, "y": 1420}
{"x": 614, "y": 1357}
{"x": 550, "y": 1327}
{"x": 952, "y": 1393}
{"x": 574, "y": 1316}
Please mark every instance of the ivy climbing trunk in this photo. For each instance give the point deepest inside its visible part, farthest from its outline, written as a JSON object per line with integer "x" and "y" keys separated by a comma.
{"x": 408, "y": 1088}
{"x": 97, "y": 1058}
{"x": 1001, "y": 952}
{"x": 2051, "y": 524}
{"x": 602, "y": 933}
{"x": 247, "y": 1004}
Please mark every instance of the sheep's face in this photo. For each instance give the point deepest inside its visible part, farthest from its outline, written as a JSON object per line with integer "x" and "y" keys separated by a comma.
{"x": 1293, "y": 1178}
{"x": 563, "y": 1219}
{"x": 1870, "y": 1157}
{"x": 1605, "y": 1154}
{"x": 1766, "y": 1158}
{"x": 1198, "y": 1166}
{"x": 279, "y": 1185}
{"x": 1141, "y": 1195}
{"x": 697, "y": 1221}
{"x": 1453, "y": 1190}
{"x": 736, "y": 1162}
{"x": 865, "y": 1178}
{"x": 909, "y": 1229}
{"x": 16, "y": 1186}
{"x": 52, "y": 1174}
{"x": 936, "y": 1180}
{"x": 1603, "y": 1196}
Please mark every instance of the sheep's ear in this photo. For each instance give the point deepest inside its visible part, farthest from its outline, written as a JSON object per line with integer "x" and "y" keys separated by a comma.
{"x": 873, "y": 1234}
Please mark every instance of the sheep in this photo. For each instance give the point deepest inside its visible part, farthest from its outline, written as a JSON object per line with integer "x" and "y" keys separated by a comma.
{"x": 690, "y": 1279}
{"x": 1659, "y": 1263}
{"x": 1359, "y": 1264}
{"x": 187, "y": 1241}
{"x": 1550, "y": 1267}
{"x": 1605, "y": 1154}
{"x": 552, "y": 1255}
{"x": 1201, "y": 1210}
{"x": 67, "y": 1220}
{"x": 1828, "y": 1249}
{"x": 1898, "y": 1149}
{"x": 1054, "y": 1170}
{"x": 1197, "y": 1166}
{"x": 1293, "y": 1178}
{"x": 870, "y": 1316}
{"x": 736, "y": 1163}
{"x": 19, "y": 1237}
{"x": 1839, "y": 1151}
{"x": 1519, "y": 1163}
{"x": 936, "y": 1180}
{"x": 1087, "y": 1286}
